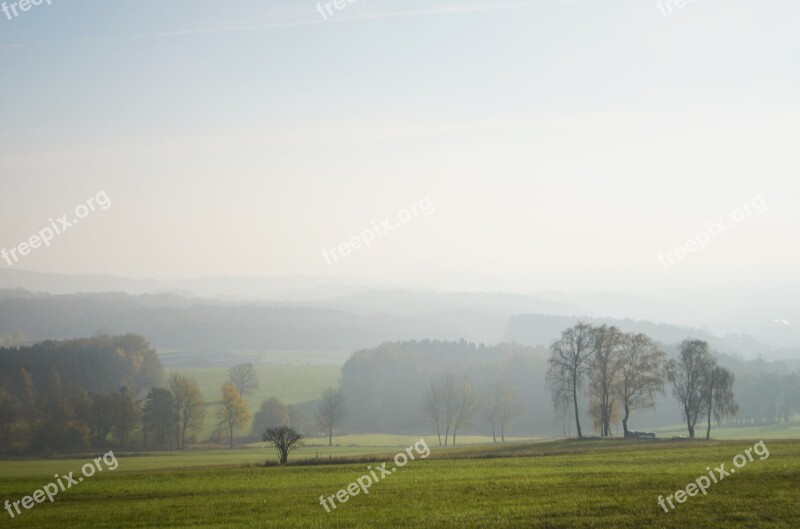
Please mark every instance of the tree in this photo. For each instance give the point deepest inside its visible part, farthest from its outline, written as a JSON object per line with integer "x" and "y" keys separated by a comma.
{"x": 500, "y": 406}
{"x": 243, "y": 377}
{"x": 688, "y": 377}
{"x": 604, "y": 366}
{"x": 232, "y": 411}
{"x": 10, "y": 413}
{"x": 126, "y": 417}
{"x": 190, "y": 409}
{"x": 158, "y": 418}
{"x": 272, "y": 414}
{"x": 330, "y": 412}
{"x": 790, "y": 395}
{"x": 457, "y": 404}
{"x": 433, "y": 407}
{"x": 448, "y": 389}
{"x": 104, "y": 411}
{"x": 466, "y": 403}
{"x": 567, "y": 366}
{"x": 284, "y": 439}
{"x": 510, "y": 408}
{"x": 640, "y": 375}
{"x": 719, "y": 395}
{"x": 491, "y": 406}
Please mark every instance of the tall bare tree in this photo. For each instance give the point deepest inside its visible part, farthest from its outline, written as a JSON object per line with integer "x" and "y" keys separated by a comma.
{"x": 688, "y": 376}
{"x": 640, "y": 376}
{"x": 330, "y": 412}
{"x": 243, "y": 377}
{"x": 604, "y": 368}
{"x": 457, "y": 404}
{"x": 190, "y": 409}
{"x": 511, "y": 408}
{"x": 434, "y": 407}
{"x": 466, "y": 404}
{"x": 448, "y": 388}
{"x": 501, "y": 406}
{"x": 719, "y": 395}
{"x": 567, "y": 366}
{"x": 491, "y": 406}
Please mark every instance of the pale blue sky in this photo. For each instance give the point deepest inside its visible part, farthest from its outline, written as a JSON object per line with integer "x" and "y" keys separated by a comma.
{"x": 563, "y": 144}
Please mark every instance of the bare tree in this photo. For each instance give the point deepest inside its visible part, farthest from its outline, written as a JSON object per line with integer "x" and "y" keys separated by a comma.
{"x": 448, "y": 388}
{"x": 719, "y": 396}
{"x": 330, "y": 412}
{"x": 567, "y": 366}
{"x": 243, "y": 377}
{"x": 640, "y": 375}
{"x": 190, "y": 409}
{"x": 434, "y": 407}
{"x": 465, "y": 406}
{"x": 689, "y": 376}
{"x": 491, "y": 407}
{"x": 604, "y": 367}
{"x": 284, "y": 439}
{"x": 510, "y": 408}
{"x": 501, "y": 406}
{"x": 458, "y": 405}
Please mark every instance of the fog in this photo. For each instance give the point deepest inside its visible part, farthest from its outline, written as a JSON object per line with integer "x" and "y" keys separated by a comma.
{"x": 351, "y": 222}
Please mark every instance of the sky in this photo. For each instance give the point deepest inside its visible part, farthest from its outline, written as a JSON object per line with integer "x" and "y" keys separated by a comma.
{"x": 552, "y": 144}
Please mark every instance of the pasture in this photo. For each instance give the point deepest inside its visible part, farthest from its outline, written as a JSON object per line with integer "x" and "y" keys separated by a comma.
{"x": 560, "y": 484}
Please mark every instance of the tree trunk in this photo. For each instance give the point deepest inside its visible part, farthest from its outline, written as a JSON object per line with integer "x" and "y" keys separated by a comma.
{"x": 494, "y": 436}
{"x": 625, "y": 420}
{"x": 330, "y": 437}
{"x": 230, "y": 429}
{"x": 575, "y": 401}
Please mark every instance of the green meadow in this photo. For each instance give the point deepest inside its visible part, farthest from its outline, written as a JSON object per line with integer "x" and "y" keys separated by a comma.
{"x": 555, "y": 484}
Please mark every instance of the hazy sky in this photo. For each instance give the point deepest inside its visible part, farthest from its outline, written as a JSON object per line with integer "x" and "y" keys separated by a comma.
{"x": 560, "y": 144}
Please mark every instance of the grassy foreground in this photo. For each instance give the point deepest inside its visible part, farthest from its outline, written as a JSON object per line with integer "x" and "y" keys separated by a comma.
{"x": 563, "y": 484}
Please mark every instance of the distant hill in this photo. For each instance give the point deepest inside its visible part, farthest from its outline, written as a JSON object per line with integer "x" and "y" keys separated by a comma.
{"x": 173, "y": 321}
{"x": 537, "y": 329}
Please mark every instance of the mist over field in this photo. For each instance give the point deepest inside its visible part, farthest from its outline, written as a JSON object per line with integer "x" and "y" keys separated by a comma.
{"x": 399, "y": 264}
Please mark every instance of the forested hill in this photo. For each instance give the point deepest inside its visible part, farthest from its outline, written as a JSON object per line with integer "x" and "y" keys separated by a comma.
{"x": 96, "y": 365}
{"x": 171, "y": 321}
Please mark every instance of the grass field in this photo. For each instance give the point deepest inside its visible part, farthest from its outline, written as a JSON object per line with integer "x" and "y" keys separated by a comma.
{"x": 291, "y": 384}
{"x": 564, "y": 484}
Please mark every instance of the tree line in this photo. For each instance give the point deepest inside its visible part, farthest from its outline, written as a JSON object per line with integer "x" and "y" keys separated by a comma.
{"x": 72, "y": 394}
{"x": 620, "y": 373}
